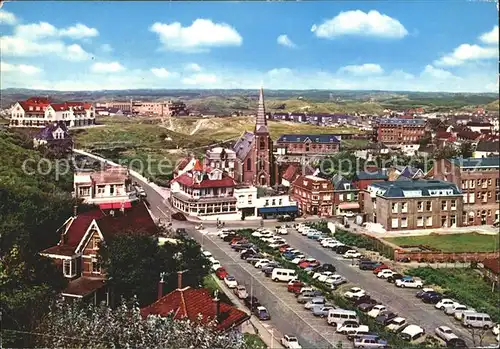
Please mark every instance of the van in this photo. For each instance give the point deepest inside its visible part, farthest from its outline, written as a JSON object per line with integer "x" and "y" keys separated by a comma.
{"x": 477, "y": 320}
{"x": 281, "y": 274}
{"x": 337, "y": 317}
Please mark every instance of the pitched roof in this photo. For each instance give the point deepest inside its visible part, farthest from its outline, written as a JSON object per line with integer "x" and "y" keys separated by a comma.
{"x": 492, "y": 264}
{"x": 189, "y": 303}
{"x": 244, "y": 145}
{"x": 308, "y": 181}
{"x": 443, "y": 135}
{"x": 488, "y": 162}
{"x": 371, "y": 174}
{"x": 261, "y": 122}
{"x": 198, "y": 166}
{"x": 414, "y": 188}
{"x": 339, "y": 183}
{"x": 47, "y": 132}
{"x": 192, "y": 182}
{"x": 488, "y": 146}
{"x": 313, "y": 138}
{"x": 290, "y": 173}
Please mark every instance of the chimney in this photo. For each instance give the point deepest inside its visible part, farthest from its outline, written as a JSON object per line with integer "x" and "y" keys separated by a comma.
{"x": 160, "y": 285}
{"x": 217, "y": 308}
{"x": 75, "y": 210}
{"x": 179, "y": 279}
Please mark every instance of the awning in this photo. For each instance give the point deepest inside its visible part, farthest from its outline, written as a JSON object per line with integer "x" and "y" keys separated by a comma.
{"x": 115, "y": 205}
{"x": 285, "y": 209}
{"x": 349, "y": 205}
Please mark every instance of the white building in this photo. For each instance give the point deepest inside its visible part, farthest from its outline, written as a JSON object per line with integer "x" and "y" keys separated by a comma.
{"x": 221, "y": 158}
{"x": 40, "y": 112}
{"x": 249, "y": 204}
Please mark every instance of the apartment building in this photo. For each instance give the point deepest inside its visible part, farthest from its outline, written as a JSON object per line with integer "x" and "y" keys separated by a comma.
{"x": 479, "y": 179}
{"x": 250, "y": 203}
{"x": 314, "y": 195}
{"x": 414, "y": 204}
{"x": 163, "y": 108}
{"x": 346, "y": 197}
{"x": 308, "y": 144}
{"x": 399, "y": 131}
{"x": 38, "y": 112}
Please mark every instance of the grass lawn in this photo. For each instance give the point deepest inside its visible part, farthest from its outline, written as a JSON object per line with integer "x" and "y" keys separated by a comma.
{"x": 470, "y": 242}
{"x": 253, "y": 341}
{"x": 210, "y": 284}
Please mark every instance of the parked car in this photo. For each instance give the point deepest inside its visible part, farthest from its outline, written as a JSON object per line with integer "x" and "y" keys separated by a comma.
{"x": 458, "y": 307}
{"x": 367, "y": 265}
{"x": 412, "y": 333}
{"x": 262, "y": 313}
{"x": 315, "y": 302}
{"x": 261, "y": 263}
{"x": 354, "y": 291}
{"x": 352, "y": 254}
{"x": 445, "y": 333}
{"x": 423, "y": 291}
{"x": 241, "y": 292}
{"x": 445, "y": 302}
{"x": 392, "y": 278}
{"x": 379, "y": 268}
{"x": 363, "y": 299}
{"x": 215, "y": 264}
{"x": 352, "y": 327}
{"x": 458, "y": 343}
{"x": 251, "y": 302}
{"x": 295, "y": 286}
{"x": 335, "y": 280}
{"x": 230, "y": 281}
{"x": 325, "y": 267}
{"x": 376, "y": 310}
{"x": 385, "y": 317}
{"x": 290, "y": 342}
{"x": 369, "y": 341}
{"x": 385, "y": 273}
{"x": 306, "y": 296}
{"x": 321, "y": 276}
{"x": 432, "y": 297}
{"x": 322, "y": 311}
{"x": 397, "y": 324}
{"x": 342, "y": 249}
{"x": 309, "y": 262}
{"x": 410, "y": 283}
{"x": 366, "y": 307}
{"x": 221, "y": 273}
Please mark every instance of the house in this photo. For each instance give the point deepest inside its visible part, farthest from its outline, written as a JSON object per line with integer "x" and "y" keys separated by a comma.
{"x": 362, "y": 179}
{"x": 479, "y": 126}
{"x": 414, "y": 204}
{"x": 221, "y": 158}
{"x": 314, "y": 195}
{"x": 254, "y": 152}
{"x": 40, "y": 112}
{"x": 308, "y": 144}
{"x": 345, "y": 196}
{"x": 197, "y": 306}
{"x": 410, "y": 172}
{"x": 78, "y": 249}
{"x": 486, "y": 148}
{"x": 54, "y": 135}
{"x": 203, "y": 191}
{"x": 110, "y": 188}
{"x": 479, "y": 179}
{"x": 267, "y": 205}
{"x": 399, "y": 131}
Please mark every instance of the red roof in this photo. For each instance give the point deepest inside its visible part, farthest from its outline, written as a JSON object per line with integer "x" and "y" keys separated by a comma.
{"x": 198, "y": 166}
{"x": 189, "y": 303}
{"x": 492, "y": 264}
{"x": 181, "y": 164}
{"x": 290, "y": 173}
{"x": 443, "y": 135}
{"x": 189, "y": 181}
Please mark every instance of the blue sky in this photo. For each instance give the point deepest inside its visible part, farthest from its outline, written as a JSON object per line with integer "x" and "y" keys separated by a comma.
{"x": 419, "y": 46}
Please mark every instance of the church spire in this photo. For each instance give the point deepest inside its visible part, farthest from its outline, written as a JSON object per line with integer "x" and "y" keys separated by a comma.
{"x": 261, "y": 122}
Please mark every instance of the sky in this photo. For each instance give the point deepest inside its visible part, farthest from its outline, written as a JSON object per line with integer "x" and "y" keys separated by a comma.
{"x": 449, "y": 46}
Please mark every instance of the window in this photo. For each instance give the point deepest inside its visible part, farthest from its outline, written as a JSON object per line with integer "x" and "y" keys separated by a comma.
{"x": 479, "y": 182}
{"x": 428, "y": 205}
{"x": 69, "y": 267}
{"x": 112, "y": 190}
{"x": 472, "y": 198}
{"x": 453, "y": 204}
{"x": 394, "y": 208}
{"x": 489, "y": 194}
{"x": 404, "y": 207}
{"x": 395, "y": 223}
{"x": 250, "y": 197}
{"x": 100, "y": 189}
{"x": 280, "y": 202}
{"x": 472, "y": 184}
{"x": 315, "y": 197}
{"x": 489, "y": 181}
{"x": 420, "y": 221}
{"x": 429, "y": 222}
{"x": 84, "y": 191}
{"x": 96, "y": 266}
{"x": 249, "y": 164}
{"x": 444, "y": 205}
{"x": 95, "y": 243}
{"x": 498, "y": 196}
{"x": 341, "y": 197}
{"x": 443, "y": 221}
{"x": 420, "y": 206}
{"x": 267, "y": 203}
{"x": 489, "y": 213}
{"x": 404, "y": 222}
{"x": 273, "y": 202}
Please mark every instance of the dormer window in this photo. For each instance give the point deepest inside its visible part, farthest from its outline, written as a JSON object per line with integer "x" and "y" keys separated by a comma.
{"x": 37, "y": 108}
{"x": 69, "y": 268}
{"x": 31, "y": 108}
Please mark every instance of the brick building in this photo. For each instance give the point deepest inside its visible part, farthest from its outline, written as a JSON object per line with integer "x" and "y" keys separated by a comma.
{"x": 345, "y": 195}
{"x": 479, "y": 180}
{"x": 399, "y": 131}
{"x": 414, "y": 204}
{"x": 314, "y": 195}
{"x": 303, "y": 144}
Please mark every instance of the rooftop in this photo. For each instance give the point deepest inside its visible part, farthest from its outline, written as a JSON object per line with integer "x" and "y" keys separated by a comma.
{"x": 415, "y": 188}
{"x": 476, "y": 162}
{"x": 313, "y": 138}
{"x": 407, "y": 122}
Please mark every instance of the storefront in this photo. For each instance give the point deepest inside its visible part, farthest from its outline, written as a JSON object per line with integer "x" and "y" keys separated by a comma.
{"x": 273, "y": 212}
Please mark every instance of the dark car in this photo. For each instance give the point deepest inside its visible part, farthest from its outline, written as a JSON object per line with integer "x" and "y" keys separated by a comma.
{"x": 432, "y": 297}
{"x": 367, "y": 265}
{"x": 364, "y": 299}
{"x": 394, "y": 277}
{"x": 261, "y": 313}
{"x": 385, "y": 318}
{"x": 182, "y": 233}
{"x": 242, "y": 246}
{"x": 366, "y": 307}
{"x": 179, "y": 216}
{"x": 251, "y": 302}
{"x": 456, "y": 343}
{"x": 343, "y": 249}
{"x": 325, "y": 267}
{"x": 229, "y": 237}
{"x": 421, "y": 293}
{"x": 268, "y": 269}
{"x": 249, "y": 253}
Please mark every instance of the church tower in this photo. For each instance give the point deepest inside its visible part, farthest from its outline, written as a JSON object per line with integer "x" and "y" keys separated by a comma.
{"x": 263, "y": 147}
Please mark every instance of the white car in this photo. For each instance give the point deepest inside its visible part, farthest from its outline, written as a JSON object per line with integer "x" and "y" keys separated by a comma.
{"x": 335, "y": 280}
{"x": 327, "y": 240}
{"x": 445, "y": 333}
{"x": 283, "y": 231}
{"x": 333, "y": 244}
{"x": 262, "y": 263}
{"x": 385, "y": 273}
{"x": 444, "y": 303}
{"x": 266, "y": 238}
{"x": 260, "y": 233}
{"x": 290, "y": 342}
{"x": 324, "y": 276}
{"x": 411, "y": 283}
{"x": 298, "y": 259}
{"x": 207, "y": 254}
{"x": 451, "y": 310}
{"x": 376, "y": 310}
{"x": 354, "y": 292}
{"x": 216, "y": 265}
{"x": 352, "y": 254}
{"x": 277, "y": 243}
{"x": 241, "y": 292}
{"x": 230, "y": 281}
{"x": 397, "y": 324}
{"x": 350, "y": 327}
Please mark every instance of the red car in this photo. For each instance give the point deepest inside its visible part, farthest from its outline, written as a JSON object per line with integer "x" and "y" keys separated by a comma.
{"x": 284, "y": 247}
{"x": 221, "y": 273}
{"x": 310, "y": 262}
{"x": 295, "y": 286}
{"x": 236, "y": 239}
{"x": 379, "y": 268}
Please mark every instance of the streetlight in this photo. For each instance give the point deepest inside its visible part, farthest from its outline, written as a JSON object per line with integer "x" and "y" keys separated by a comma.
{"x": 272, "y": 338}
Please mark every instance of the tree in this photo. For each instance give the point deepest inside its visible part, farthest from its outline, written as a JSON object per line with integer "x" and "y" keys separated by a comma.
{"x": 71, "y": 325}
{"x": 133, "y": 263}
{"x": 466, "y": 149}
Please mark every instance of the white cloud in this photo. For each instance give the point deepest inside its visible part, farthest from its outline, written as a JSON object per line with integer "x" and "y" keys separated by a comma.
{"x": 79, "y": 31}
{"x": 200, "y": 36}
{"x": 491, "y": 37}
{"x": 22, "y": 47}
{"x": 467, "y": 53}
{"x": 276, "y": 72}
{"x": 107, "y": 67}
{"x": 106, "y": 48}
{"x": 7, "y": 18}
{"x": 363, "y": 69}
{"x": 437, "y": 73}
{"x": 19, "y": 68}
{"x": 359, "y": 23}
{"x": 284, "y": 40}
{"x": 193, "y": 67}
{"x": 162, "y": 73}
{"x": 200, "y": 79}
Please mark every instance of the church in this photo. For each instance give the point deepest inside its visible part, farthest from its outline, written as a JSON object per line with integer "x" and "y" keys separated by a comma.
{"x": 255, "y": 163}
